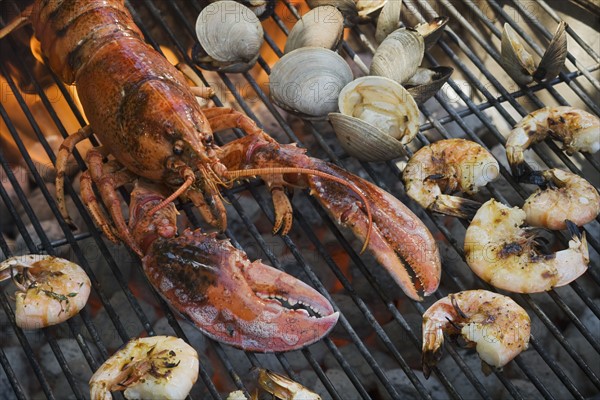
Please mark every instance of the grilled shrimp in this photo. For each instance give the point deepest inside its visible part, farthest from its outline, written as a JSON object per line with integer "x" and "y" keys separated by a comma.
{"x": 448, "y": 166}
{"x": 282, "y": 387}
{"x": 566, "y": 197}
{"x": 503, "y": 253}
{"x": 495, "y": 324}
{"x": 158, "y": 367}
{"x": 51, "y": 289}
{"x": 577, "y": 129}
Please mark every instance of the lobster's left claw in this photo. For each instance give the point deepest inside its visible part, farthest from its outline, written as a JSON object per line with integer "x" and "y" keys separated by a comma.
{"x": 245, "y": 304}
{"x": 399, "y": 240}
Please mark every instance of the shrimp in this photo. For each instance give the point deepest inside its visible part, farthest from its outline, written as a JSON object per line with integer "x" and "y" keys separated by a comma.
{"x": 50, "y": 289}
{"x": 495, "y": 324}
{"x": 155, "y": 367}
{"x": 448, "y": 166}
{"x": 504, "y": 254}
{"x": 567, "y": 197}
{"x": 577, "y": 129}
{"x": 282, "y": 387}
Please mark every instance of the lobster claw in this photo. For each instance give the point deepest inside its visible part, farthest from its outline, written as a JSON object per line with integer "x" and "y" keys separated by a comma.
{"x": 399, "y": 240}
{"x": 245, "y": 304}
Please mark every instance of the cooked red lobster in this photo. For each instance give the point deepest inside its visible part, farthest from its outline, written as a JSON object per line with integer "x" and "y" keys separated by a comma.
{"x": 146, "y": 116}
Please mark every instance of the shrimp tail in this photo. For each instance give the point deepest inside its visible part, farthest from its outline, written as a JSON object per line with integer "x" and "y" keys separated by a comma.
{"x": 433, "y": 344}
{"x": 455, "y": 206}
{"x": 573, "y": 229}
{"x": 429, "y": 359}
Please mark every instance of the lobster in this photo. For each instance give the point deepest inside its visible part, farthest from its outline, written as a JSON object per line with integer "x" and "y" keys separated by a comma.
{"x": 146, "y": 117}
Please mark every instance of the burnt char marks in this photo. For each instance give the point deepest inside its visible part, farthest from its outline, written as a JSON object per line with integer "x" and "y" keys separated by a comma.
{"x": 188, "y": 266}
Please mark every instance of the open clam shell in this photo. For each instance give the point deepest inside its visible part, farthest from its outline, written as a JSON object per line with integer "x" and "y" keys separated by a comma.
{"x": 399, "y": 55}
{"x": 230, "y": 37}
{"x": 432, "y": 31}
{"x": 519, "y": 63}
{"x": 426, "y": 82}
{"x": 307, "y": 81}
{"x": 320, "y": 27}
{"x": 388, "y": 20}
{"x": 377, "y": 117}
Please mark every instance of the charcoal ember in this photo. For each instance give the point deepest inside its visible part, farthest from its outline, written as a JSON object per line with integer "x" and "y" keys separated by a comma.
{"x": 542, "y": 371}
{"x": 195, "y": 338}
{"x": 341, "y": 383}
{"x": 129, "y": 320}
{"x": 20, "y": 173}
{"x": 51, "y": 230}
{"x": 98, "y": 261}
{"x": 78, "y": 366}
{"x": 401, "y": 339}
{"x": 582, "y": 347}
{"x": 18, "y": 362}
{"x": 406, "y": 389}
{"x": 357, "y": 362}
{"x": 354, "y": 316}
{"x": 524, "y": 387}
{"x": 298, "y": 360}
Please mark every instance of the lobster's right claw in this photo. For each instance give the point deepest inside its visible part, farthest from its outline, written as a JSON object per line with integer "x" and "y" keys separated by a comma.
{"x": 245, "y": 304}
{"x": 399, "y": 240}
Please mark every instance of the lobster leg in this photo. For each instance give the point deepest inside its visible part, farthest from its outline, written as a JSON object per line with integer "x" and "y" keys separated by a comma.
{"x": 226, "y": 118}
{"x": 108, "y": 180}
{"x": 17, "y": 23}
{"x": 64, "y": 152}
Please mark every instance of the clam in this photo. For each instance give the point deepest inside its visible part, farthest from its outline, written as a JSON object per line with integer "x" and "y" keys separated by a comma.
{"x": 388, "y": 20}
{"x": 399, "y": 55}
{"x": 519, "y": 63}
{"x": 230, "y": 37}
{"x": 377, "y": 117}
{"x": 432, "y": 31}
{"x": 320, "y": 27}
{"x": 307, "y": 81}
{"x": 427, "y": 81}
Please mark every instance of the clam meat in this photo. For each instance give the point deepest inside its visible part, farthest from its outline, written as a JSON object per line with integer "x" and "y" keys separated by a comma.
{"x": 377, "y": 117}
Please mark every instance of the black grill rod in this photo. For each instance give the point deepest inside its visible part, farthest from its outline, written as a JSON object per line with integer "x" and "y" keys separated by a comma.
{"x": 548, "y": 35}
{"x": 573, "y": 85}
{"x": 292, "y": 136}
{"x": 45, "y": 243}
{"x": 571, "y": 32}
{"x": 553, "y": 329}
{"x": 585, "y": 297}
{"x": 275, "y": 263}
{"x": 501, "y": 99}
{"x": 4, "y": 300}
{"x": 549, "y": 142}
{"x": 575, "y": 320}
{"x": 452, "y": 113}
{"x": 564, "y": 75}
{"x": 238, "y": 208}
{"x": 570, "y": 56}
{"x": 217, "y": 102}
{"x": 12, "y": 378}
{"x": 536, "y": 309}
{"x": 81, "y": 208}
{"x": 548, "y": 85}
{"x": 477, "y": 61}
{"x": 316, "y": 283}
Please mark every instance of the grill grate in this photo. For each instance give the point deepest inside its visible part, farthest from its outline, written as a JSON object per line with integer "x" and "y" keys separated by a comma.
{"x": 462, "y": 46}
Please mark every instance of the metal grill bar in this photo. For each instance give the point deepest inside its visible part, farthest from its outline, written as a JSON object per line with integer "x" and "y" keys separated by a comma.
{"x": 396, "y": 352}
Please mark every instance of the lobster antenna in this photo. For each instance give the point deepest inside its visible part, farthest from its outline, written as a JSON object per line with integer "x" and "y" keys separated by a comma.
{"x": 185, "y": 186}
{"x": 294, "y": 170}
